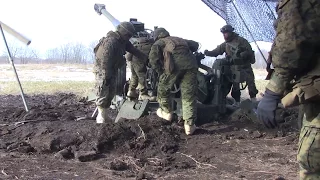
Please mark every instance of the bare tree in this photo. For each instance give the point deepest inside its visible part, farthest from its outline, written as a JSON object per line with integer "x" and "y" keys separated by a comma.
{"x": 27, "y": 54}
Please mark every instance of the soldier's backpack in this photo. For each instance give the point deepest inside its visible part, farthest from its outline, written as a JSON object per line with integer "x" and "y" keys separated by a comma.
{"x": 172, "y": 43}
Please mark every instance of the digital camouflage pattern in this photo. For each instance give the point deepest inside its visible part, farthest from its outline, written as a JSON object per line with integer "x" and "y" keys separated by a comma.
{"x": 296, "y": 56}
{"x": 189, "y": 87}
{"x": 138, "y": 66}
{"x": 109, "y": 56}
{"x": 184, "y": 73}
{"x": 239, "y": 52}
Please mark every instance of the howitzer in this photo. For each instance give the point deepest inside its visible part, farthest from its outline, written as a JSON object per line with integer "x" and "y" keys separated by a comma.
{"x": 211, "y": 89}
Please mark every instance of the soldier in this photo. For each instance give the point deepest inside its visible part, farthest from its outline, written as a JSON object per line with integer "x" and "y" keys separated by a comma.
{"x": 172, "y": 58}
{"x": 296, "y": 57}
{"x": 109, "y": 55}
{"x": 239, "y": 52}
{"x": 139, "y": 70}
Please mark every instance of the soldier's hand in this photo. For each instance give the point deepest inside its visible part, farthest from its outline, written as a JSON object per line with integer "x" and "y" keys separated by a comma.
{"x": 205, "y": 52}
{"x": 267, "y": 108}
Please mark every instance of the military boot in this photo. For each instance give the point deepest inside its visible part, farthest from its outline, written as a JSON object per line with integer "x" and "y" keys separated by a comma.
{"x": 146, "y": 96}
{"x": 132, "y": 94}
{"x": 189, "y": 129}
{"x": 164, "y": 115}
{"x": 102, "y": 115}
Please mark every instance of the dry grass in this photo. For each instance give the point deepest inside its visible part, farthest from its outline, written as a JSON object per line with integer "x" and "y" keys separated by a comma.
{"x": 39, "y": 87}
{"x": 76, "y": 78}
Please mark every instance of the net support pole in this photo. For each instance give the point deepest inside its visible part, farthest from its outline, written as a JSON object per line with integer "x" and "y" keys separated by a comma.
{"x": 264, "y": 58}
{"x": 14, "y": 69}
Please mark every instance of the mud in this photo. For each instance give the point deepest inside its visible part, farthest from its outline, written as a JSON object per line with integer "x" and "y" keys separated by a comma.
{"x": 50, "y": 142}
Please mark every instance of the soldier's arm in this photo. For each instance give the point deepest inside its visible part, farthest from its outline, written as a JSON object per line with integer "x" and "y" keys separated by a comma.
{"x": 136, "y": 52}
{"x": 193, "y": 45}
{"x": 247, "y": 51}
{"x": 108, "y": 56}
{"x": 156, "y": 56}
{"x": 218, "y": 51}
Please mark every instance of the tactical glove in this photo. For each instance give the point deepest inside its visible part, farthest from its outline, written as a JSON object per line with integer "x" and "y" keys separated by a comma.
{"x": 267, "y": 108}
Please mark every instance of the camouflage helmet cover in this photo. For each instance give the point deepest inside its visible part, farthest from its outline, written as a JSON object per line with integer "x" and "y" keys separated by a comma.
{"x": 126, "y": 28}
{"x": 227, "y": 28}
{"x": 160, "y": 33}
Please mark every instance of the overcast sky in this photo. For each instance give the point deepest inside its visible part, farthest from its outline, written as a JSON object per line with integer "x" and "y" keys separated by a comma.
{"x": 50, "y": 23}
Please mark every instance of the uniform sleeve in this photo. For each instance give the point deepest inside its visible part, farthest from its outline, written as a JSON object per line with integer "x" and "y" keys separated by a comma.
{"x": 296, "y": 43}
{"x": 246, "y": 52}
{"x": 129, "y": 56}
{"x": 108, "y": 56}
{"x": 193, "y": 45}
{"x": 155, "y": 56}
{"x": 136, "y": 52}
{"x": 218, "y": 51}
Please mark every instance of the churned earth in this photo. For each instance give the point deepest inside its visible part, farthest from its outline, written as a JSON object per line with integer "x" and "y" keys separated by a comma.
{"x": 51, "y": 141}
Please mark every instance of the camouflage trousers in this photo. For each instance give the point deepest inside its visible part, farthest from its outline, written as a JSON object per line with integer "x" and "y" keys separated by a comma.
{"x": 138, "y": 76}
{"x": 309, "y": 143}
{"x": 250, "y": 80}
{"x": 105, "y": 90}
{"x": 187, "y": 80}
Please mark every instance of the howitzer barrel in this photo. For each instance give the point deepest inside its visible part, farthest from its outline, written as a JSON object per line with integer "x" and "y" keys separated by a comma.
{"x": 15, "y": 33}
{"x": 101, "y": 9}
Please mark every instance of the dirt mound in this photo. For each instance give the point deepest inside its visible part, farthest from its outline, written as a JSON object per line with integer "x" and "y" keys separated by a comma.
{"x": 145, "y": 148}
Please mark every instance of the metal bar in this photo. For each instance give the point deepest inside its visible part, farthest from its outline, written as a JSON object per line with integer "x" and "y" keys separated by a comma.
{"x": 264, "y": 58}
{"x": 14, "y": 69}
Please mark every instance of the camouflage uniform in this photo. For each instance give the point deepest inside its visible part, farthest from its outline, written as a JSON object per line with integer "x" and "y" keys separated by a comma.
{"x": 109, "y": 57}
{"x": 296, "y": 56}
{"x": 183, "y": 70}
{"x": 237, "y": 42}
{"x": 138, "y": 66}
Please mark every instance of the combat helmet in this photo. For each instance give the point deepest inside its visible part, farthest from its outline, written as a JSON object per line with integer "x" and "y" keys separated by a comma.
{"x": 160, "y": 33}
{"x": 126, "y": 29}
{"x": 227, "y": 28}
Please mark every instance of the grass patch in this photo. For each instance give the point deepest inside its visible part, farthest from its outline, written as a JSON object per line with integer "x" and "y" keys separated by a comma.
{"x": 81, "y": 88}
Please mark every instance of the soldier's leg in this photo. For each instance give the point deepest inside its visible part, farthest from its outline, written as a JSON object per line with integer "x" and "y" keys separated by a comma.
{"x": 133, "y": 81}
{"x": 166, "y": 82}
{"x": 250, "y": 79}
{"x": 104, "y": 86}
{"x": 309, "y": 143}
{"x": 141, "y": 70}
{"x": 189, "y": 87}
{"x": 235, "y": 93}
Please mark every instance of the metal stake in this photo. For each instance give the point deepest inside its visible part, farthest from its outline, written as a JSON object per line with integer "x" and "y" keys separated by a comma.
{"x": 14, "y": 69}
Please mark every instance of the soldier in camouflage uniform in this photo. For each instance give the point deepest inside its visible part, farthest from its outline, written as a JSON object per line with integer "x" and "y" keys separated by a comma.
{"x": 139, "y": 70}
{"x": 296, "y": 58}
{"x": 109, "y": 56}
{"x": 172, "y": 58}
{"x": 238, "y": 52}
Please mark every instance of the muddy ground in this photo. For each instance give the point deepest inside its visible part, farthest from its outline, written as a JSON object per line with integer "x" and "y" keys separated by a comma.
{"x": 54, "y": 145}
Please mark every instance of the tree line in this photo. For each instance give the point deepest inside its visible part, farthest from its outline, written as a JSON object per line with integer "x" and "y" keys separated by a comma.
{"x": 69, "y": 53}
{"x": 78, "y": 53}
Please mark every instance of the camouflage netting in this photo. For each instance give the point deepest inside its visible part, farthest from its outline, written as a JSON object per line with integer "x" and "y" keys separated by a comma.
{"x": 257, "y": 15}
